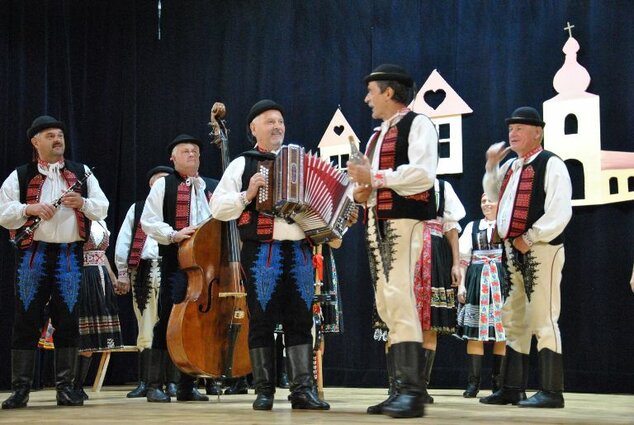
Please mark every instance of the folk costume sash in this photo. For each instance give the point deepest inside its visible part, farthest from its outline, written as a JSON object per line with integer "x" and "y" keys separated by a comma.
{"x": 31, "y": 181}
{"x": 490, "y": 293}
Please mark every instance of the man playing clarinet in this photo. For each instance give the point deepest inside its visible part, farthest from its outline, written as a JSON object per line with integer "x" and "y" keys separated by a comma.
{"x": 49, "y": 225}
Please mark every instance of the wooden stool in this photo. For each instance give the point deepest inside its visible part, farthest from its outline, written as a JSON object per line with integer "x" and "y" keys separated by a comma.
{"x": 105, "y": 360}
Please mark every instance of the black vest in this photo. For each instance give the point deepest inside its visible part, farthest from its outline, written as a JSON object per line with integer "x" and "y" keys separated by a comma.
{"x": 28, "y": 171}
{"x": 406, "y": 207}
{"x": 248, "y": 229}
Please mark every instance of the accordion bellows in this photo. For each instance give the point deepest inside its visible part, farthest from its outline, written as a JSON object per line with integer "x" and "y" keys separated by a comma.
{"x": 307, "y": 190}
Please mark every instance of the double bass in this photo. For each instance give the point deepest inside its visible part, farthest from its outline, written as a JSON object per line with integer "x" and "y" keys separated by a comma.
{"x": 207, "y": 334}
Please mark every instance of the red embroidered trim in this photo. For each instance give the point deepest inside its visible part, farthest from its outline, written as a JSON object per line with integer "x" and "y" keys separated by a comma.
{"x": 71, "y": 179}
{"x": 183, "y": 199}
{"x": 245, "y": 218}
{"x": 522, "y": 201}
{"x": 138, "y": 241}
{"x": 265, "y": 225}
{"x": 423, "y": 196}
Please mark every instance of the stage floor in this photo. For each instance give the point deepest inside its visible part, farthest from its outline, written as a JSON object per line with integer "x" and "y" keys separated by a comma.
{"x": 347, "y": 407}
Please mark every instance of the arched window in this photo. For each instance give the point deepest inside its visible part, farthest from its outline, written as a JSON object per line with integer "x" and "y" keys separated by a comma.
{"x": 614, "y": 185}
{"x": 571, "y": 125}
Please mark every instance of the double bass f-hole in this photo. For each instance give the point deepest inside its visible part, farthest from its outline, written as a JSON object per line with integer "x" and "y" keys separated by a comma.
{"x": 205, "y": 308}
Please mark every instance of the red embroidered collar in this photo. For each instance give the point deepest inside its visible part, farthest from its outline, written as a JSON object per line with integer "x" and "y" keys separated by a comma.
{"x": 532, "y": 152}
{"x": 46, "y": 165}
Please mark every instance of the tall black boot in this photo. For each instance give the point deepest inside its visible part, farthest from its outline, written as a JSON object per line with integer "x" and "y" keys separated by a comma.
{"x": 188, "y": 389}
{"x": 155, "y": 373}
{"x": 238, "y": 386}
{"x": 65, "y": 361}
{"x": 496, "y": 372}
{"x": 515, "y": 373}
{"x": 81, "y": 371}
{"x": 172, "y": 375}
{"x": 280, "y": 364}
{"x": 551, "y": 376}
{"x": 22, "y": 369}
{"x": 263, "y": 377}
{"x": 473, "y": 382}
{"x": 377, "y": 409}
{"x": 410, "y": 383}
{"x": 141, "y": 389}
{"x": 428, "y": 363}
{"x": 300, "y": 371}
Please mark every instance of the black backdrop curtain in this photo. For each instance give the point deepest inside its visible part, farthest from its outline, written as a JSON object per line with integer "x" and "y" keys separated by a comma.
{"x": 124, "y": 94}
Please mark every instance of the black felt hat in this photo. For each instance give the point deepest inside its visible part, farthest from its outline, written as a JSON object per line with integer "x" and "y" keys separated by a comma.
{"x": 158, "y": 169}
{"x": 184, "y": 138}
{"x": 390, "y": 72}
{"x": 526, "y": 115}
{"x": 42, "y": 123}
{"x": 262, "y": 106}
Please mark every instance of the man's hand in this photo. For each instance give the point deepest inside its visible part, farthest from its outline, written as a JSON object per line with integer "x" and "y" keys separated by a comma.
{"x": 521, "y": 245}
{"x": 360, "y": 173}
{"x": 73, "y": 200}
{"x": 184, "y": 233}
{"x": 41, "y": 210}
{"x": 496, "y": 153}
{"x": 462, "y": 294}
{"x": 255, "y": 183}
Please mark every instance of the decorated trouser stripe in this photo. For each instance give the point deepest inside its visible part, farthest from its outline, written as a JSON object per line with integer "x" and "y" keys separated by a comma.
{"x": 395, "y": 299}
{"x": 146, "y": 282}
{"x": 523, "y": 318}
{"x": 47, "y": 273}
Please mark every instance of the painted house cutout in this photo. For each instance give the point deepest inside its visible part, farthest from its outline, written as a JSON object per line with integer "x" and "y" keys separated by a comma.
{"x": 573, "y": 132}
{"x": 445, "y": 108}
{"x": 334, "y": 146}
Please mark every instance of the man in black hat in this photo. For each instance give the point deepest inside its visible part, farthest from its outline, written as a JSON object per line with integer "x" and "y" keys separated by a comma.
{"x": 395, "y": 181}
{"x": 138, "y": 261}
{"x": 534, "y": 206}
{"x": 48, "y": 234}
{"x": 176, "y": 205}
{"x": 277, "y": 260}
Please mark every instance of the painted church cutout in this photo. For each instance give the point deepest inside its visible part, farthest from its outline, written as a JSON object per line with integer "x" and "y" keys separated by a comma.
{"x": 440, "y": 102}
{"x": 334, "y": 146}
{"x": 573, "y": 132}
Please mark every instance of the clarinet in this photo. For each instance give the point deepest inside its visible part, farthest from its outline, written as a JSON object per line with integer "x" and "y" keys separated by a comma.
{"x": 29, "y": 230}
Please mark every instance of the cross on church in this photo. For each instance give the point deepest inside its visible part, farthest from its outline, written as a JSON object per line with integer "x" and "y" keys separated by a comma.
{"x": 569, "y": 29}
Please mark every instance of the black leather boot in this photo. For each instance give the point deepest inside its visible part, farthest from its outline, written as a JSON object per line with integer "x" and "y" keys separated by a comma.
{"x": 428, "y": 363}
{"x": 377, "y": 409}
{"x": 263, "y": 377}
{"x": 496, "y": 372}
{"x": 22, "y": 368}
{"x": 155, "y": 373}
{"x": 515, "y": 373}
{"x": 81, "y": 371}
{"x": 172, "y": 376}
{"x": 551, "y": 376}
{"x": 188, "y": 389}
{"x": 300, "y": 371}
{"x": 280, "y": 364}
{"x": 473, "y": 382}
{"x": 141, "y": 389}
{"x": 410, "y": 384}
{"x": 238, "y": 386}
{"x": 65, "y": 361}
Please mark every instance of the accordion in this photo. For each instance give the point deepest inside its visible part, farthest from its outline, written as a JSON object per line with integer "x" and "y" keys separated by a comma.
{"x": 304, "y": 189}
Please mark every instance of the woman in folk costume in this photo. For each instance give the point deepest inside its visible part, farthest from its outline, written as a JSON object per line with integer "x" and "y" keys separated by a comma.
{"x": 438, "y": 274}
{"x": 99, "y": 327}
{"x": 482, "y": 291}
